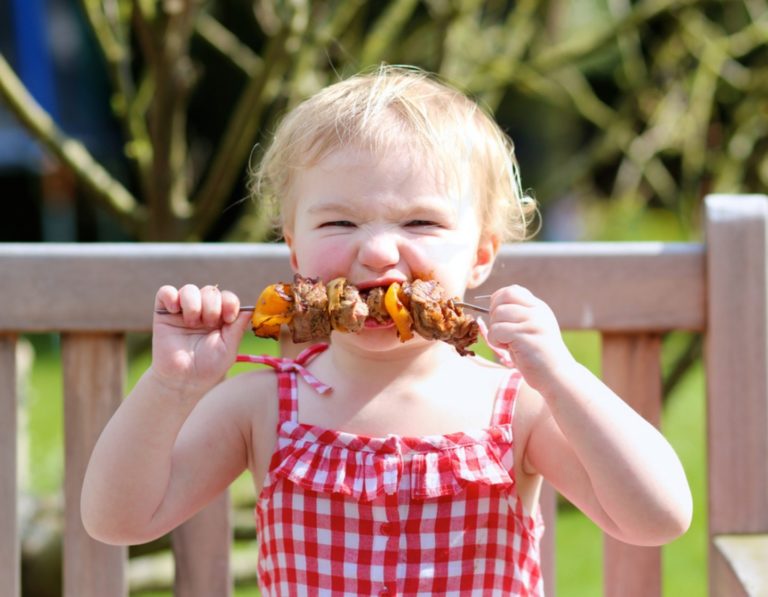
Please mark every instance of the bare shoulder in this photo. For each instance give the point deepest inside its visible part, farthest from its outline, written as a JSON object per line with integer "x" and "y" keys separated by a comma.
{"x": 247, "y": 403}
{"x": 253, "y": 391}
{"x": 530, "y": 407}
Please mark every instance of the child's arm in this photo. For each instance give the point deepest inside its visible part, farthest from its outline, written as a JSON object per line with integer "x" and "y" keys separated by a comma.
{"x": 165, "y": 452}
{"x": 592, "y": 447}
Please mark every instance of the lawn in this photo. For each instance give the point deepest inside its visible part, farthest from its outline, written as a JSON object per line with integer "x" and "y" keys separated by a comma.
{"x": 578, "y": 540}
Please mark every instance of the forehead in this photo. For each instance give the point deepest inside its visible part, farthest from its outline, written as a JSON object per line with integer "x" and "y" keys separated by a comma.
{"x": 391, "y": 177}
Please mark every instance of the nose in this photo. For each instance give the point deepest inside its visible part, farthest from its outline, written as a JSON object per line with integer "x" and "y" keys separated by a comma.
{"x": 379, "y": 250}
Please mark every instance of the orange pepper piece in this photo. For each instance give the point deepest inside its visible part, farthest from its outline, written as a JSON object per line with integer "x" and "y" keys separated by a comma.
{"x": 273, "y": 308}
{"x": 394, "y": 303}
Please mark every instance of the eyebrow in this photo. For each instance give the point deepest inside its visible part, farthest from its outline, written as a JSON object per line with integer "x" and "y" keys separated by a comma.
{"x": 332, "y": 206}
{"x": 433, "y": 205}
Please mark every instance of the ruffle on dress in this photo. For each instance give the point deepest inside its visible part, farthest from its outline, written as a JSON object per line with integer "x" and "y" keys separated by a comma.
{"x": 367, "y": 467}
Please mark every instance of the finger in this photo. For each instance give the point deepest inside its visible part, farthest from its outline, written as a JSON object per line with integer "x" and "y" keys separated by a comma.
{"x": 503, "y": 334}
{"x": 230, "y": 306}
{"x": 210, "y": 302}
{"x": 513, "y": 294}
{"x": 510, "y": 313}
{"x": 167, "y": 297}
{"x": 191, "y": 304}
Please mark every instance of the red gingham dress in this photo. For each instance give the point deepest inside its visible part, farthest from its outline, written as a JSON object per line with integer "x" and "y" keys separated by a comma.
{"x": 345, "y": 514}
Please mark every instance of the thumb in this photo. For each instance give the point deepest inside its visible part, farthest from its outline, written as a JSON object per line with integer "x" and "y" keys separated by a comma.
{"x": 233, "y": 332}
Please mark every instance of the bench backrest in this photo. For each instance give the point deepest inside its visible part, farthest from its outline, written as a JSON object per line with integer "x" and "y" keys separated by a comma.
{"x": 631, "y": 293}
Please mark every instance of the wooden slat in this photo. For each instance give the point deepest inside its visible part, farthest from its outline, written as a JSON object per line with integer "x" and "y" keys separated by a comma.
{"x": 548, "y": 504}
{"x": 632, "y": 368}
{"x": 94, "y": 369}
{"x": 10, "y": 559}
{"x": 737, "y": 375}
{"x": 607, "y": 286}
{"x": 125, "y": 276}
{"x": 610, "y": 286}
{"x": 201, "y": 552}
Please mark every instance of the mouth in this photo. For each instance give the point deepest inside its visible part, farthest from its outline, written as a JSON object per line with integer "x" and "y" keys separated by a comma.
{"x": 364, "y": 288}
{"x": 373, "y": 324}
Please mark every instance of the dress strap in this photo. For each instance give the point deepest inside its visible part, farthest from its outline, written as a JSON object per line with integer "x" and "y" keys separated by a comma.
{"x": 504, "y": 406}
{"x": 286, "y": 370}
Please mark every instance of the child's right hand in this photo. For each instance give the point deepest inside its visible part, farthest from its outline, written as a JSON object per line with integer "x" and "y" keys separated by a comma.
{"x": 196, "y": 343}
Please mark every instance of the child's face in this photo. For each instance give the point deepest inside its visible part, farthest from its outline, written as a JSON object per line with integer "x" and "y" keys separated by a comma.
{"x": 376, "y": 220}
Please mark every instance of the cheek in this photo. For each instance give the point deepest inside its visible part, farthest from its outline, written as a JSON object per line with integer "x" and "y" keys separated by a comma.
{"x": 450, "y": 263}
{"x": 328, "y": 258}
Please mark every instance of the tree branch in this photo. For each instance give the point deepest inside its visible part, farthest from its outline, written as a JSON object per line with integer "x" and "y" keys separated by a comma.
{"x": 385, "y": 29}
{"x": 236, "y": 141}
{"x": 111, "y": 32}
{"x": 226, "y": 43}
{"x": 580, "y": 46}
{"x": 105, "y": 189}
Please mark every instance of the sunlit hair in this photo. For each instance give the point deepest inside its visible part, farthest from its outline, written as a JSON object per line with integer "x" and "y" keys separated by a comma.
{"x": 390, "y": 108}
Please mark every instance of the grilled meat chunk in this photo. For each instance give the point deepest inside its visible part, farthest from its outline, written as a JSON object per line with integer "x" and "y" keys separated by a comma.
{"x": 346, "y": 309}
{"x": 310, "y": 310}
{"x": 436, "y": 317}
{"x": 375, "y": 302}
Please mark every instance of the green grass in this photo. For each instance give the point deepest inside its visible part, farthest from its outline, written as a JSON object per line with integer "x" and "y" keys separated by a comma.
{"x": 579, "y": 542}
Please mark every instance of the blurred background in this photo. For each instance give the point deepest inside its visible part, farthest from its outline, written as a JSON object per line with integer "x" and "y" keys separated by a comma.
{"x": 137, "y": 120}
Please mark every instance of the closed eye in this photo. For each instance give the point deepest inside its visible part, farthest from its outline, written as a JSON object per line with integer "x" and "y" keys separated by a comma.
{"x": 337, "y": 224}
{"x": 421, "y": 224}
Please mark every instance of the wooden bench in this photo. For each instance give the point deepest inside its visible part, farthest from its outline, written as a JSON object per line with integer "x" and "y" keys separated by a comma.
{"x": 632, "y": 293}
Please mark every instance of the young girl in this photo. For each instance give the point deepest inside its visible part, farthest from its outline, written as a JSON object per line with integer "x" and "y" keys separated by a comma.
{"x": 381, "y": 466}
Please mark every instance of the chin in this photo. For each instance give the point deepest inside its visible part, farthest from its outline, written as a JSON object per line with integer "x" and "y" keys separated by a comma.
{"x": 380, "y": 338}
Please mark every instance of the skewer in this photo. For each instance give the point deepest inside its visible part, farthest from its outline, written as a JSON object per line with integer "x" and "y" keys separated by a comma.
{"x": 478, "y": 308}
{"x": 473, "y": 307}
{"x": 164, "y": 311}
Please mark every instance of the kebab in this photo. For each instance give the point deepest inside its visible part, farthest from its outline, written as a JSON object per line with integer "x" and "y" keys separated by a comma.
{"x": 311, "y": 309}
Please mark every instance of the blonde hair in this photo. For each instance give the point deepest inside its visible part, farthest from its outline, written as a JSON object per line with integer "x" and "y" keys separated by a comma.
{"x": 390, "y": 107}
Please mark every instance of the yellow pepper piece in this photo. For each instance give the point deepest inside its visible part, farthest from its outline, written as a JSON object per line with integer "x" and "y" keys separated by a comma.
{"x": 274, "y": 308}
{"x": 393, "y": 303}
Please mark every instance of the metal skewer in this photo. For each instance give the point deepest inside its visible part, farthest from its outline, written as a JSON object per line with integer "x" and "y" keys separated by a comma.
{"x": 473, "y": 307}
{"x": 163, "y": 311}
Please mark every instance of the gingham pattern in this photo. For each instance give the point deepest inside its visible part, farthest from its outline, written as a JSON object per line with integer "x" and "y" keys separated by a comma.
{"x": 344, "y": 514}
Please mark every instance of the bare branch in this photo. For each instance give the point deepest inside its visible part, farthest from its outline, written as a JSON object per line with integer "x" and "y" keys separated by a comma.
{"x": 105, "y": 189}
{"x": 226, "y": 43}
{"x": 112, "y": 33}
{"x": 580, "y": 46}
{"x": 384, "y": 31}
{"x": 237, "y": 140}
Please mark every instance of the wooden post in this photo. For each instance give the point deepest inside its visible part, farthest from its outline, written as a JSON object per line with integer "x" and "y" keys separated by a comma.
{"x": 632, "y": 369}
{"x": 94, "y": 370}
{"x": 737, "y": 375}
{"x": 10, "y": 553}
{"x": 201, "y": 549}
{"x": 548, "y": 505}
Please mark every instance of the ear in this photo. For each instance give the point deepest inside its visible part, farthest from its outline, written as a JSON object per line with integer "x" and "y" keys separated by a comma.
{"x": 487, "y": 249}
{"x": 289, "y": 241}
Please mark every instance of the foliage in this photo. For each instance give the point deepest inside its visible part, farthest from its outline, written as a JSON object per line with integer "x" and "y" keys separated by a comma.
{"x": 655, "y": 101}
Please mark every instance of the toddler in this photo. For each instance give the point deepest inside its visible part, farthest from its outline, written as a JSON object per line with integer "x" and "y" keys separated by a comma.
{"x": 380, "y": 466}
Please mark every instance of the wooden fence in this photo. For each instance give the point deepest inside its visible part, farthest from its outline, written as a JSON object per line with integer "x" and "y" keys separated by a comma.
{"x": 632, "y": 293}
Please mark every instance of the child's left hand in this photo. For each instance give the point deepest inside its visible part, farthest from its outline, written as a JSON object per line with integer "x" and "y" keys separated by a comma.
{"x": 526, "y": 327}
